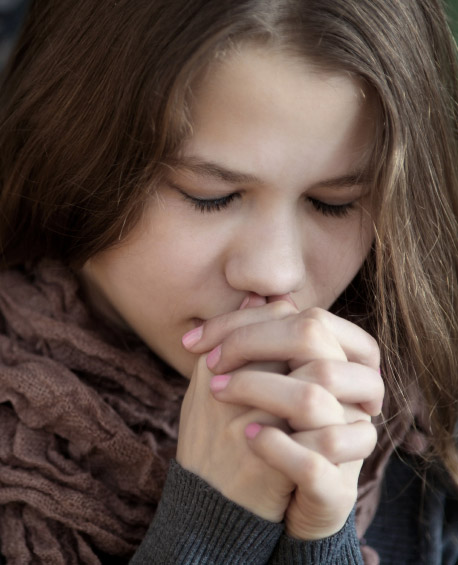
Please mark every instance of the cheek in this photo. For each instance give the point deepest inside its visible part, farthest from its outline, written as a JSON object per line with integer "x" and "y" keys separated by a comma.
{"x": 338, "y": 255}
{"x": 174, "y": 263}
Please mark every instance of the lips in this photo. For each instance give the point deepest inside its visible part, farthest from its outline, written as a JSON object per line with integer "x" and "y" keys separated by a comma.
{"x": 253, "y": 300}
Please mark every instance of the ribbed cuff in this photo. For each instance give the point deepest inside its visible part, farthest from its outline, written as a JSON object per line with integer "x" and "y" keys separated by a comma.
{"x": 195, "y": 523}
{"x": 340, "y": 549}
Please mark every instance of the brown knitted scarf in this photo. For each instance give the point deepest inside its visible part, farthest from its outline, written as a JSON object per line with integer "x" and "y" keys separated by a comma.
{"x": 89, "y": 422}
{"x": 87, "y": 427}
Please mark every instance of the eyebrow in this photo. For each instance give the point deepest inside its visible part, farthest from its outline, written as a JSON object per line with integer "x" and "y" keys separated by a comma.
{"x": 215, "y": 171}
{"x": 230, "y": 176}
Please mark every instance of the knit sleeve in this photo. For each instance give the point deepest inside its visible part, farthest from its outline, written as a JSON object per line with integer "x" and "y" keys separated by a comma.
{"x": 194, "y": 523}
{"x": 340, "y": 549}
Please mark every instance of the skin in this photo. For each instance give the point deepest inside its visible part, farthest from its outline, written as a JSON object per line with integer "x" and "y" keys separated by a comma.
{"x": 307, "y": 432}
{"x": 179, "y": 266}
{"x": 240, "y": 250}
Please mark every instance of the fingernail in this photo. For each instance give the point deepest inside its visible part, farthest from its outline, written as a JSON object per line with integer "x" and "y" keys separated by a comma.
{"x": 192, "y": 337}
{"x": 219, "y": 382}
{"x": 213, "y": 357}
{"x": 252, "y": 430}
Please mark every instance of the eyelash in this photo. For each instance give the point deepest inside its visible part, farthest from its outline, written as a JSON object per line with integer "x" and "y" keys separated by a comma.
{"x": 334, "y": 210}
{"x": 217, "y": 204}
{"x": 210, "y": 204}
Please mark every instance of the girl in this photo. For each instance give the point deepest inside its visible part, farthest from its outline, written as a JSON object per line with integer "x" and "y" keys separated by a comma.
{"x": 261, "y": 197}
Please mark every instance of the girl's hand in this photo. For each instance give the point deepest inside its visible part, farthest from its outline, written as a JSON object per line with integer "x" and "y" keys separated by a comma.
{"x": 212, "y": 442}
{"x": 332, "y": 388}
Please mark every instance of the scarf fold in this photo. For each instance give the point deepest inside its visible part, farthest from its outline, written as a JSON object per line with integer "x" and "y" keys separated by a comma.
{"x": 89, "y": 421}
{"x": 88, "y": 427}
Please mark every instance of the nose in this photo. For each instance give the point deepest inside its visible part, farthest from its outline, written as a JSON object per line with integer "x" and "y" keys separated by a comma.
{"x": 267, "y": 257}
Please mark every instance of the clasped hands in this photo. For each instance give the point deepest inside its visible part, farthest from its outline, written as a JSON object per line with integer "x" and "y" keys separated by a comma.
{"x": 277, "y": 416}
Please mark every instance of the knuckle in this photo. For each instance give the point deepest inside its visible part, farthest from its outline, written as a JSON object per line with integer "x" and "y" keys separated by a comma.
{"x": 316, "y": 313}
{"x": 324, "y": 371}
{"x": 308, "y": 398}
{"x": 308, "y": 330}
{"x": 332, "y": 442}
{"x": 314, "y": 468}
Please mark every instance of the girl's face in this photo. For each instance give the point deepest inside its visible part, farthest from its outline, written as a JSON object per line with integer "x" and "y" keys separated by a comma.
{"x": 266, "y": 199}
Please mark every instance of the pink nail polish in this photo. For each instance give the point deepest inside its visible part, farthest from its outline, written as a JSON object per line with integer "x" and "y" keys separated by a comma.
{"x": 192, "y": 337}
{"x": 219, "y": 382}
{"x": 252, "y": 430}
{"x": 213, "y": 357}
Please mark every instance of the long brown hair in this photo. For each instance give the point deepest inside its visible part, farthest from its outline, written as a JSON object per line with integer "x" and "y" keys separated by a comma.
{"x": 95, "y": 101}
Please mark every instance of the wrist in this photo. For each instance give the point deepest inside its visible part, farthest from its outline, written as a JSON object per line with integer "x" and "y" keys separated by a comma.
{"x": 314, "y": 529}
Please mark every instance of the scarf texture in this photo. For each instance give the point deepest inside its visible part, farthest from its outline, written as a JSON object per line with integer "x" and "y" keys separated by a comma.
{"x": 89, "y": 421}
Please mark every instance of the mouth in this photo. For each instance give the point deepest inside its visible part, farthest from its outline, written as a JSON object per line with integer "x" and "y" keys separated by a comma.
{"x": 196, "y": 322}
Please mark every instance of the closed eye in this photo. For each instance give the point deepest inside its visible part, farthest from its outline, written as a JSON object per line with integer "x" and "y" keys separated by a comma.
{"x": 206, "y": 205}
{"x": 335, "y": 210}
{"x": 210, "y": 204}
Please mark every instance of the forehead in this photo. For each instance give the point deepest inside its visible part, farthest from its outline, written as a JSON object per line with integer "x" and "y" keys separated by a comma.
{"x": 265, "y": 108}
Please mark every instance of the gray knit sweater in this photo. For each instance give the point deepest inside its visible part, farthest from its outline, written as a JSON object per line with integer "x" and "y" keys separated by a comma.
{"x": 415, "y": 524}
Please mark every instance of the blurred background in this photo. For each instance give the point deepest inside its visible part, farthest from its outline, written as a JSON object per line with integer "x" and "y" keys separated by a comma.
{"x": 12, "y": 14}
{"x": 452, "y": 7}
{"x": 11, "y": 17}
